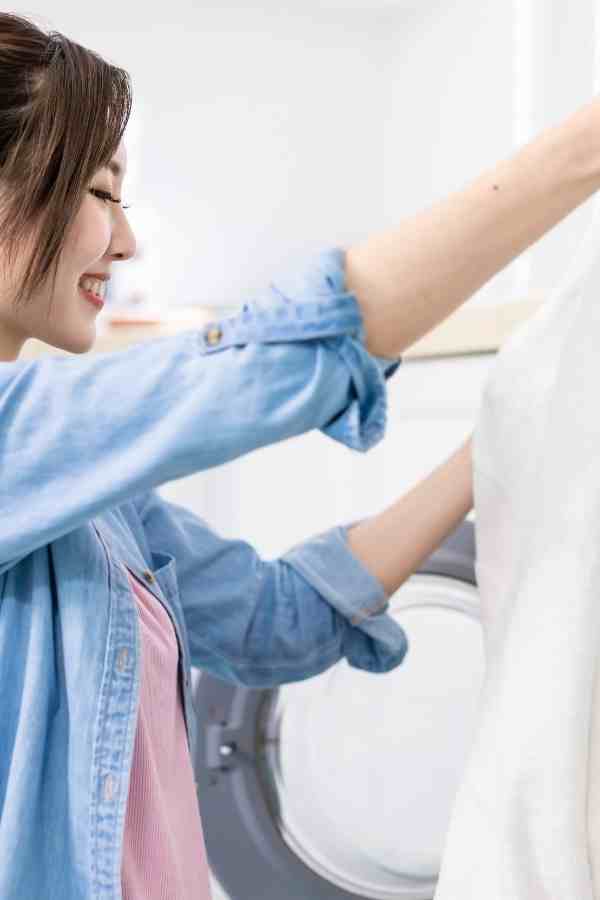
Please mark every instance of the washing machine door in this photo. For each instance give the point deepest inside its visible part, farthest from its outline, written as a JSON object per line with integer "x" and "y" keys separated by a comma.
{"x": 341, "y": 786}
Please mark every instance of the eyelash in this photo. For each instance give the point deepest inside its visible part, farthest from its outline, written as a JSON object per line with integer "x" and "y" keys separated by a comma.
{"x": 104, "y": 195}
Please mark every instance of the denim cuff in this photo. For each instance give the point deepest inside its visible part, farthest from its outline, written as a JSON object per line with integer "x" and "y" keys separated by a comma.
{"x": 373, "y": 640}
{"x": 315, "y": 305}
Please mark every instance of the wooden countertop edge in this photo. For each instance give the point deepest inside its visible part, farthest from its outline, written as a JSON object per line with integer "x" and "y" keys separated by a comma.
{"x": 470, "y": 329}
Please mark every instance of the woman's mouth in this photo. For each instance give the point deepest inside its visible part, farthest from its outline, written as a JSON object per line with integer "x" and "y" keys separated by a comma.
{"x": 92, "y": 295}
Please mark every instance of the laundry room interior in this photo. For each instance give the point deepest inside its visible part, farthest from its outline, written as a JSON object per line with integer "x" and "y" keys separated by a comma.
{"x": 261, "y": 135}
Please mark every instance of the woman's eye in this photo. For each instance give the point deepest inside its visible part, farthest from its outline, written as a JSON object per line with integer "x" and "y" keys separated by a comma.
{"x": 104, "y": 195}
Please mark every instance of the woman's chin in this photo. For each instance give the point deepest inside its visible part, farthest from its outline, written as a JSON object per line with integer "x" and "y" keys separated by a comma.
{"x": 81, "y": 341}
{"x": 83, "y": 345}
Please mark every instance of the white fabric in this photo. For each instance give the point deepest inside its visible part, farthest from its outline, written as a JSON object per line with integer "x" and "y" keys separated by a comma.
{"x": 526, "y": 818}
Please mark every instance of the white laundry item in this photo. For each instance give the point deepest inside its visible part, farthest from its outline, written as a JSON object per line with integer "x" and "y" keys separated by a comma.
{"x": 526, "y": 818}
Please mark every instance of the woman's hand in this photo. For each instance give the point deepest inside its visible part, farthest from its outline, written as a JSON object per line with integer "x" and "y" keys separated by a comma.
{"x": 394, "y": 543}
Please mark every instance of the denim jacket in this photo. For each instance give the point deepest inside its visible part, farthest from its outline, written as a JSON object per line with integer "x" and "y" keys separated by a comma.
{"x": 84, "y": 443}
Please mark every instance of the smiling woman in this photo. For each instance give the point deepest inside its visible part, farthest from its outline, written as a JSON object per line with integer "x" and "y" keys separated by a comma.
{"x": 51, "y": 150}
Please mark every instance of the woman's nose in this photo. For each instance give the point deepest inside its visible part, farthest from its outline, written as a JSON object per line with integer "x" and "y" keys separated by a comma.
{"x": 123, "y": 245}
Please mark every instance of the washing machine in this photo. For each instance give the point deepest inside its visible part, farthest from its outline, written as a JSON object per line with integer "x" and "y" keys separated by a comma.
{"x": 341, "y": 786}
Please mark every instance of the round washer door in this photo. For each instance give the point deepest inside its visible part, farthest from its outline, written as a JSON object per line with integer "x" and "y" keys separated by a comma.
{"x": 341, "y": 786}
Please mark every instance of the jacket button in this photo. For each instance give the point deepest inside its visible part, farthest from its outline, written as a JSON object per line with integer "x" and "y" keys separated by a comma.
{"x": 213, "y": 335}
{"x": 148, "y": 576}
{"x": 122, "y": 659}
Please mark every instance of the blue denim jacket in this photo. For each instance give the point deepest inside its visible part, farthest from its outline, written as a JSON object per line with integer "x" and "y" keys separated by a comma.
{"x": 85, "y": 441}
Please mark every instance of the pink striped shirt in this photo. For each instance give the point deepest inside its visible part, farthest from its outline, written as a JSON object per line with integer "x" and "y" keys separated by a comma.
{"x": 164, "y": 856}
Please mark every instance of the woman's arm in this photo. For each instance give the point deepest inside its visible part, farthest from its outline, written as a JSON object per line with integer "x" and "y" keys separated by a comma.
{"x": 80, "y": 435}
{"x": 260, "y": 622}
{"x": 392, "y": 544}
{"x": 410, "y": 278}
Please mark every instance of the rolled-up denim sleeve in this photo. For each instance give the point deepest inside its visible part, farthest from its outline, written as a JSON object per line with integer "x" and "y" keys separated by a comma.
{"x": 261, "y": 622}
{"x": 362, "y": 424}
{"x": 314, "y": 304}
{"x": 372, "y": 638}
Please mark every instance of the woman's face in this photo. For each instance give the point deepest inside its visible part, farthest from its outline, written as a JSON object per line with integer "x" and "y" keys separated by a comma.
{"x": 100, "y": 235}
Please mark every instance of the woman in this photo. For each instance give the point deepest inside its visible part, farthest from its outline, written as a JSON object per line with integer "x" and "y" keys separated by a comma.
{"x": 108, "y": 593}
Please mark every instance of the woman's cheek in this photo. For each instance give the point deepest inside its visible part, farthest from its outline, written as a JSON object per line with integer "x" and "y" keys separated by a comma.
{"x": 93, "y": 234}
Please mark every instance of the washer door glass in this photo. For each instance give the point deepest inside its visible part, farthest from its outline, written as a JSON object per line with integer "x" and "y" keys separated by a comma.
{"x": 362, "y": 769}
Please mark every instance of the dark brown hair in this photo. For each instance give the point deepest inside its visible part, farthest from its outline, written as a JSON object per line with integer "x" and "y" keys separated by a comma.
{"x": 63, "y": 111}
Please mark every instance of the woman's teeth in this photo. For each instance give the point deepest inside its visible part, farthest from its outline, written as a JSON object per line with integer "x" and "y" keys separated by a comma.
{"x": 94, "y": 285}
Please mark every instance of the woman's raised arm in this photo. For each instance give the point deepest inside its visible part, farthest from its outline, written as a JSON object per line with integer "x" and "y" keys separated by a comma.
{"x": 82, "y": 434}
{"x": 410, "y": 278}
